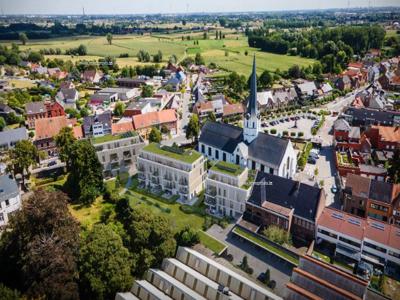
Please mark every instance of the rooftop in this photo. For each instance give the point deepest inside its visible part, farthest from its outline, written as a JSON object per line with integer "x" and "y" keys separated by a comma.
{"x": 110, "y": 137}
{"x": 189, "y": 156}
{"x": 227, "y": 168}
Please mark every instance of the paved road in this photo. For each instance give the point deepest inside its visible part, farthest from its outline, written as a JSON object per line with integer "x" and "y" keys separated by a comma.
{"x": 258, "y": 259}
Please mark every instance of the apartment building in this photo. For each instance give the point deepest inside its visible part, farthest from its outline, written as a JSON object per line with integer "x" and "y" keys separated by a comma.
{"x": 227, "y": 189}
{"x": 118, "y": 153}
{"x": 359, "y": 239}
{"x": 192, "y": 275}
{"x": 172, "y": 170}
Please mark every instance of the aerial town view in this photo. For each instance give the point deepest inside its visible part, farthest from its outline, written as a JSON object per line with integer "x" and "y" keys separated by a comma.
{"x": 187, "y": 150}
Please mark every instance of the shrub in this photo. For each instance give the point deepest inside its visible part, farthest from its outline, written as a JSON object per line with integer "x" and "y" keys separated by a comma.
{"x": 276, "y": 234}
{"x": 273, "y": 131}
{"x": 272, "y": 284}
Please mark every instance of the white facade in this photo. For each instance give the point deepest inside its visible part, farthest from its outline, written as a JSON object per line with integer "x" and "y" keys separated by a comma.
{"x": 10, "y": 199}
{"x": 226, "y": 194}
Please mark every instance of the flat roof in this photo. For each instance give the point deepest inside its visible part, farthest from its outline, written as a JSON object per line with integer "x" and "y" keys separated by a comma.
{"x": 110, "y": 137}
{"x": 152, "y": 289}
{"x": 227, "y": 168}
{"x": 188, "y": 156}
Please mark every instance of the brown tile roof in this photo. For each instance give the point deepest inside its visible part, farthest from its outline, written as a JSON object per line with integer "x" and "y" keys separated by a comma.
{"x": 389, "y": 134}
{"x": 232, "y": 109}
{"x": 78, "y": 132}
{"x": 359, "y": 185}
{"x": 118, "y": 128}
{"x": 50, "y": 127}
{"x": 357, "y": 65}
{"x": 154, "y": 118}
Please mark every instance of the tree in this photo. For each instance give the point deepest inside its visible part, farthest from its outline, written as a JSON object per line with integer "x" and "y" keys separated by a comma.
{"x": 193, "y": 128}
{"x": 104, "y": 264}
{"x": 65, "y": 141}
{"x": 211, "y": 117}
{"x": 155, "y": 135}
{"x": 39, "y": 250}
{"x": 267, "y": 276}
{"x": 199, "y": 60}
{"x": 147, "y": 91}
{"x": 2, "y": 123}
{"x": 394, "y": 167}
{"x": 21, "y": 158}
{"x": 205, "y": 35}
{"x": 85, "y": 181}
{"x": 276, "y": 234}
{"x": 222, "y": 22}
{"x": 109, "y": 38}
{"x": 149, "y": 237}
{"x": 173, "y": 59}
{"x": 164, "y": 129}
{"x": 265, "y": 79}
{"x": 23, "y": 38}
{"x": 8, "y": 294}
{"x": 294, "y": 72}
{"x": 35, "y": 57}
{"x": 187, "y": 237}
{"x": 119, "y": 109}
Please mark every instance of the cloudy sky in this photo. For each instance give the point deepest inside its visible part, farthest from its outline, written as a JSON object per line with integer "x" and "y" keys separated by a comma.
{"x": 174, "y": 6}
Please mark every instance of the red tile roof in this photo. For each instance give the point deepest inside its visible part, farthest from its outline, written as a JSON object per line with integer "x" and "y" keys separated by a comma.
{"x": 78, "y": 132}
{"x": 50, "y": 127}
{"x": 388, "y": 134}
{"x": 154, "y": 118}
{"x": 118, "y": 128}
{"x": 232, "y": 109}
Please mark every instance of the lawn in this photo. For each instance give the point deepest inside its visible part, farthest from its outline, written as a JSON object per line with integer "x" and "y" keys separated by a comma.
{"x": 211, "y": 243}
{"x": 321, "y": 256}
{"x": 172, "y": 212}
{"x": 21, "y": 83}
{"x": 88, "y": 216}
{"x": 228, "y": 53}
{"x": 391, "y": 288}
{"x": 267, "y": 246}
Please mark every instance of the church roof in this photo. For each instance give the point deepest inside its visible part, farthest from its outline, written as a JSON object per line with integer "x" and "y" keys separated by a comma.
{"x": 268, "y": 148}
{"x": 222, "y": 136}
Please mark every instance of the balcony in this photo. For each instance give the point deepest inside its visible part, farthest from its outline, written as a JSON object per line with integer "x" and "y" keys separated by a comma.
{"x": 210, "y": 201}
{"x": 211, "y": 192}
{"x": 127, "y": 155}
{"x": 183, "y": 190}
{"x": 346, "y": 251}
{"x": 142, "y": 176}
{"x": 155, "y": 180}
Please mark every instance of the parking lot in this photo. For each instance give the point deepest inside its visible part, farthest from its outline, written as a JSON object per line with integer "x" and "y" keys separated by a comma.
{"x": 296, "y": 124}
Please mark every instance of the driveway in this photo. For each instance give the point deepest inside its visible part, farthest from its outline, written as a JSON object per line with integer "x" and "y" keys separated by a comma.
{"x": 258, "y": 259}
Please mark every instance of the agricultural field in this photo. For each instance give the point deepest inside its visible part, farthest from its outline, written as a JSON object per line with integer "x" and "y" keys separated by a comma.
{"x": 228, "y": 53}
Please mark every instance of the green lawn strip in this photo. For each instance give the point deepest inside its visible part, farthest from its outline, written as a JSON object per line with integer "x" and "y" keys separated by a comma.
{"x": 343, "y": 265}
{"x": 172, "y": 211}
{"x": 211, "y": 243}
{"x": 321, "y": 256}
{"x": 269, "y": 247}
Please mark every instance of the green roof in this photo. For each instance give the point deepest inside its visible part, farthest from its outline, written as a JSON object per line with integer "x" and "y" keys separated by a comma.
{"x": 227, "y": 168}
{"x": 188, "y": 156}
{"x": 110, "y": 137}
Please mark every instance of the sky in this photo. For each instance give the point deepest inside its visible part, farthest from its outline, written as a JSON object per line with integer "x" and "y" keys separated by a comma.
{"x": 174, "y": 6}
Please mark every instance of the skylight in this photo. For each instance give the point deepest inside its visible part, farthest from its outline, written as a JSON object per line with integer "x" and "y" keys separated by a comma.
{"x": 337, "y": 216}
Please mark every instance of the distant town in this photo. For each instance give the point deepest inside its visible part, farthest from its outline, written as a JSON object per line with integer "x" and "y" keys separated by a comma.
{"x": 200, "y": 156}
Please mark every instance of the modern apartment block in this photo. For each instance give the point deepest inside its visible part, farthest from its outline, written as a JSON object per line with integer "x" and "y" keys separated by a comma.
{"x": 172, "y": 170}
{"x": 359, "y": 239}
{"x": 227, "y": 189}
{"x": 118, "y": 153}
{"x": 193, "y": 276}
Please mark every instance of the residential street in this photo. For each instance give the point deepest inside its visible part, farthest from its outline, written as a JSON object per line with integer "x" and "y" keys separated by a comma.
{"x": 258, "y": 259}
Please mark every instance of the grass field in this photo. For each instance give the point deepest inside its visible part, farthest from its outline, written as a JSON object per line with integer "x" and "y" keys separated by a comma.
{"x": 211, "y": 243}
{"x": 229, "y": 53}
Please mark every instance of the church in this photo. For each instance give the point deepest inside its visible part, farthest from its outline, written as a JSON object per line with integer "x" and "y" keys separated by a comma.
{"x": 248, "y": 146}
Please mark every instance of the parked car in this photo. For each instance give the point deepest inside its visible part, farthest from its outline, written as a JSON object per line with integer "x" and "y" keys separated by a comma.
{"x": 334, "y": 189}
{"x": 311, "y": 160}
{"x": 315, "y": 152}
{"x": 314, "y": 155}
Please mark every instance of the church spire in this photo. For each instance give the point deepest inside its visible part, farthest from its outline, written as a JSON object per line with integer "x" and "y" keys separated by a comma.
{"x": 252, "y": 105}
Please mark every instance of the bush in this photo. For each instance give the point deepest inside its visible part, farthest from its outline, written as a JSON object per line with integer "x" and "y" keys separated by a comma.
{"x": 229, "y": 257}
{"x": 187, "y": 237}
{"x": 273, "y": 131}
{"x": 276, "y": 234}
{"x": 272, "y": 284}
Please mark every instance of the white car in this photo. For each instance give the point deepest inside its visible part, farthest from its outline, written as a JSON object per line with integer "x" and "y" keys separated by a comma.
{"x": 315, "y": 151}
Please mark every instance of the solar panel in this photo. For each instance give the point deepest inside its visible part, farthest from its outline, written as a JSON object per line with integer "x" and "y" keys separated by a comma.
{"x": 354, "y": 222}
{"x": 337, "y": 216}
{"x": 378, "y": 226}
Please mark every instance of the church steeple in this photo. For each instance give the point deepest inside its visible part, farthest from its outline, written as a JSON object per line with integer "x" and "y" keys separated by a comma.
{"x": 252, "y": 120}
{"x": 252, "y": 105}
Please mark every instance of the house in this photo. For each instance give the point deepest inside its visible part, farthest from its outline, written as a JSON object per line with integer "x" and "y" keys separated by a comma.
{"x": 45, "y": 131}
{"x": 8, "y": 138}
{"x": 91, "y": 76}
{"x": 343, "y": 83}
{"x": 346, "y": 136}
{"x": 315, "y": 279}
{"x": 384, "y": 137}
{"x": 179, "y": 172}
{"x": 366, "y": 117}
{"x": 192, "y": 275}
{"x": 123, "y": 94}
{"x": 10, "y": 199}
{"x": 291, "y": 205}
{"x": 233, "y": 111}
{"x": 375, "y": 199}
{"x": 265, "y": 100}
{"x": 56, "y": 73}
{"x": 118, "y": 153}
{"x": 67, "y": 97}
{"x": 358, "y": 239}
{"x": 4, "y": 85}
{"x": 97, "y": 125}
{"x": 203, "y": 109}
{"x": 373, "y": 74}
{"x": 306, "y": 90}
{"x": 42, "y": 109}
{"x": 102, "y": 99}
{"x": 131, "y": 82}
{"x": 122, "y": 127}
{"x": 284, "y": 97}
{"x": 227, "y": 189}
{"x": 138, "y": 108}
{"x": 248, "y": 146}
{"x": 166, "y": 118}
{"x": 325, "y": 89}
{"x": 5, "y": 111}
{"x": 390, "y": 81}
{"x": 67, "y": 85}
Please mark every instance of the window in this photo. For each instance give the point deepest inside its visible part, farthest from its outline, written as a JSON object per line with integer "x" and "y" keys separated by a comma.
{"x": 347, "y": 241}
{"x": 271, "y": 171}
{"x": 7, "y": 202}
{"x": 203, "y": 150}
{"x": 224, "y": 156}
{"x": 327, "y": 233}
{"x": 377, "y": 248}
{"x": 209, "y": 151}
{"x": 394, "y": 254}
{"x": 216, "y": 154}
